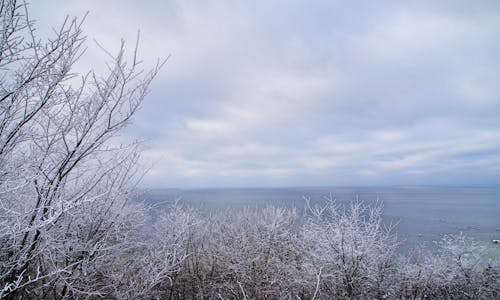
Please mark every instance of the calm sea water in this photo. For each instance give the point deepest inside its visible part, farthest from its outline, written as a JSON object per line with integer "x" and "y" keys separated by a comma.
{"x": 422, "y": 214}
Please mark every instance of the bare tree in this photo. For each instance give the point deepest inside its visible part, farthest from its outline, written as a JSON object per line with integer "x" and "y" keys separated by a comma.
{"x": 460, "y": 268}
{"x": 351, "y": 253}
{"x": 257, "y": 254}
{"x": 62, "y": 181}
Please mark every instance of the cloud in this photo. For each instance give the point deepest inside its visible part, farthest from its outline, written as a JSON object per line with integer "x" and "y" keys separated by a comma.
{"x": 326, "y": 93}
{"x": 409, "y": 34}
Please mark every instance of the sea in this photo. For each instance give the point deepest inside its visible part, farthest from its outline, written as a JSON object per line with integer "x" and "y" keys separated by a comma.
{"x": 422, "y": 215}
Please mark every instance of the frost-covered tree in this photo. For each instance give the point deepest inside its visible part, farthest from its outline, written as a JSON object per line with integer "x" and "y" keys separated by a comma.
{"x": 148, "y": 264}
{"x": 350, "y": 251}
{"x": 459, "y": 268}
{"x": 258, "y": 255}
{"x": 332, "y": 252}
{"x": 63, "y": 183}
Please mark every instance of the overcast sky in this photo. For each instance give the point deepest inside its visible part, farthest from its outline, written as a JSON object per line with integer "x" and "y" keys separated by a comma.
{"x": 308, "y": 93}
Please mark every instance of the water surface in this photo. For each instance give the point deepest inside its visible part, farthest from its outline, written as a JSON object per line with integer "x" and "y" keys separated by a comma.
{"x": 422, "y": 214}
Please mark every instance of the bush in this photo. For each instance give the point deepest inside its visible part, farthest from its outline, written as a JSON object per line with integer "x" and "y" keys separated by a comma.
{"x": 331, "y": 252}
{"x": 350, "y": 251}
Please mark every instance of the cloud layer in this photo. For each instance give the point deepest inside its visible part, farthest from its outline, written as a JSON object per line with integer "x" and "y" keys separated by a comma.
{"x": 282, "y": 93}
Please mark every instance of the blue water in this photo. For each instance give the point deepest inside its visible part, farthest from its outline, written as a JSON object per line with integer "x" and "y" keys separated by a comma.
{"x": 423, "y": 214}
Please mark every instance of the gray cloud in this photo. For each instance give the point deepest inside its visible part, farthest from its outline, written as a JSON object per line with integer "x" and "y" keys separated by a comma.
{"x": 261, "y": 93}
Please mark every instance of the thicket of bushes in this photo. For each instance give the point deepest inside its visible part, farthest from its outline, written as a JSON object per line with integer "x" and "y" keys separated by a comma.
{"x": 330, "y": 252}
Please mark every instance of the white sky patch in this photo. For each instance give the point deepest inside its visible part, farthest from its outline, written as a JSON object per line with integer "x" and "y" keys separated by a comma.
{"x": 209, "y": 129}
{"x": 412, "y": 33}
{"x": 270, "y": 96}
{"x": 252, "y": 150}
{"x": 481, "y": 91}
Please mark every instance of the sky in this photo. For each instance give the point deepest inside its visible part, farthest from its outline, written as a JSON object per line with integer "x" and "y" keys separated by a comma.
{"x": 307, "y": 93}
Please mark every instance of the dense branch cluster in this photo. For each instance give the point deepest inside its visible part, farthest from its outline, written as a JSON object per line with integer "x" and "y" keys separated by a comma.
{"x": 328, "y": 252}
{"x": 69, "y": 230}
{"x": 63, "y": 183}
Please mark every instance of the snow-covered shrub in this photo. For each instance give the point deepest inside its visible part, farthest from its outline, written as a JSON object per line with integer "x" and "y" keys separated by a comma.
{"x": 459, "y": 269}
{"x": 350, "y": 251}
{"x": 148, "y": 260}
{"x": 331, "y": 252}
{"x": 257, "y": 254}
{"x": 176, "y": 235}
